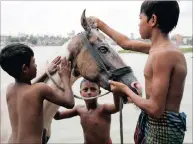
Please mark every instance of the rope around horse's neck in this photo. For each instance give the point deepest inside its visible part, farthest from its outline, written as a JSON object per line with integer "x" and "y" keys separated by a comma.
{"x": 78, "y": 97}
{"x": 89, "y": 98}
{"x": 58, "y": 86}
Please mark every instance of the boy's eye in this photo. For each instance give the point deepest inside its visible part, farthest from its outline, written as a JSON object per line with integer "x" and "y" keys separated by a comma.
{"x": 93, "y": 89}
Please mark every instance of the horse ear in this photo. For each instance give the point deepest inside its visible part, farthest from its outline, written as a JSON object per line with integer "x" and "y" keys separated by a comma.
{"x": 84, "y": 22}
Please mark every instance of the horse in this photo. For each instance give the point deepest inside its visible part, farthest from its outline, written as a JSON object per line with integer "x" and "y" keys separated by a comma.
{"x": 91, "y": 58}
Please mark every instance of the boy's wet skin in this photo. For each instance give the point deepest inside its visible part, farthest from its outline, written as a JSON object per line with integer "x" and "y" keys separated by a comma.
{"x": 25, "y": 100}
{"x": 95, "y": 118}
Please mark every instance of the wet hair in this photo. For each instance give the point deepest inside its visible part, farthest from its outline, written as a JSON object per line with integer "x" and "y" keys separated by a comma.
{"x": 85, "y": 80}
{"x": 167, "y": 13}
{"x": 13, "y": 56}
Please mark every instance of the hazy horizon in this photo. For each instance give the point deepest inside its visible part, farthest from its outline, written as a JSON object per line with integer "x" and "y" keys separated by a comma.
{"x": 61, "y": 17}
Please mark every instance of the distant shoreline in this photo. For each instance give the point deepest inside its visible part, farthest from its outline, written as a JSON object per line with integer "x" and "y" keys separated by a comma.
{"x": 184, "y": 50}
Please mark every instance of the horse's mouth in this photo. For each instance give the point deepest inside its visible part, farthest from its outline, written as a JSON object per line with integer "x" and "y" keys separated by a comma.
{"x": 134, "y": 86}
{"x": 137, "y": 86}
{"x": 127, "y": 79}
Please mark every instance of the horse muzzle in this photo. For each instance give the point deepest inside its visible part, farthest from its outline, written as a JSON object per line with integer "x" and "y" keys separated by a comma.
{"x": 125, "y": 75}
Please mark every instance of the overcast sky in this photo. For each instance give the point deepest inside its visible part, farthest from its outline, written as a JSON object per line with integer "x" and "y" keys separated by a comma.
{"x": 60, "y": 17}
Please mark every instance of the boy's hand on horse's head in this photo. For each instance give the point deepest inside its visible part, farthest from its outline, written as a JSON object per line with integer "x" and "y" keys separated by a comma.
{"x": 93, "y": 21}
{"x": 52, "y": 68}
{"x": 65, "y": 70}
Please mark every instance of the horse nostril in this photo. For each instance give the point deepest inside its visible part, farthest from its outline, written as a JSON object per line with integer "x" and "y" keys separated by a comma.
{"x": 136, "y": 85}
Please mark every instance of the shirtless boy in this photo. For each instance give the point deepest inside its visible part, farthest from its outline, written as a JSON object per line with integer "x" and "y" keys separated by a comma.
{"x": 95, "y": 118}
{"x": 165, "y": 71}
{"x": 25, "y": 100}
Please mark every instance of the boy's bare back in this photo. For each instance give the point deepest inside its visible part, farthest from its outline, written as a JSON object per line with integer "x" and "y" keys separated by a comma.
{"x": 25, "y": 100}
{"x": 25, "y": 111}
{"x": 25, "y": 106}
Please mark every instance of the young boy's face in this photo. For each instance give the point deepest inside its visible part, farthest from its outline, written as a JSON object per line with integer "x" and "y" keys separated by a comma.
{"x": 144, "y": 27}
{"x": 31, "y": 72}
{"x": 89, "y": 89}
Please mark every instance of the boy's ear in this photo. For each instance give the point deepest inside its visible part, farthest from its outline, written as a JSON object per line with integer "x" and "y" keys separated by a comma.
{"x": 153, "y": 20}
{"x": 24, "y": 68}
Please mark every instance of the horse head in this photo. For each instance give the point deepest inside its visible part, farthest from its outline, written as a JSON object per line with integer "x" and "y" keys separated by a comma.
{"x": 94, "y": 59}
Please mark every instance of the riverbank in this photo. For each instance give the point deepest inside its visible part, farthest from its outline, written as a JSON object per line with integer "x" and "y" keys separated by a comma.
{"x": 184, "y": 50}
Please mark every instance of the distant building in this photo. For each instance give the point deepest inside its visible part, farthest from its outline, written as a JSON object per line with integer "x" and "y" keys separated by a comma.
{"x": 188, "y": 40}
{"x": 177, "y": 39}
{"x": 4, "y": 40}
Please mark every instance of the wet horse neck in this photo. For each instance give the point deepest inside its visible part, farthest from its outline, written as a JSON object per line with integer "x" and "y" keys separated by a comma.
{"x": 63, "y": 52}
{"x": 49, "y": 108}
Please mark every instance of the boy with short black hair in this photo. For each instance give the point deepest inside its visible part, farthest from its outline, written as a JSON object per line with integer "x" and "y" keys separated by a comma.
{"x": 25, "y": 100}
{"x": 165, "y": 73}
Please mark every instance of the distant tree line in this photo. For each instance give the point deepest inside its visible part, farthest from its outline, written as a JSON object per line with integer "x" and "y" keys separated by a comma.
{"x": 47, "y": 40}
{"x": 37, "y": 40}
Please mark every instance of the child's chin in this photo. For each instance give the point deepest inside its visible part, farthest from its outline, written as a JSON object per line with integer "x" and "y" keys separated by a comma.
{"x": 90, "y": 101}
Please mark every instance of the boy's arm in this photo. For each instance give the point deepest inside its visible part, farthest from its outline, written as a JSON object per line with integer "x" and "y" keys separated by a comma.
{"x": 113, "y": 108}
{"x": 62, "y": 98}
{"x": 66, "y": 114}
{"x": 41, "y": 78}
{"x": 52, "y": 68}
{"x": 122, "y": 40}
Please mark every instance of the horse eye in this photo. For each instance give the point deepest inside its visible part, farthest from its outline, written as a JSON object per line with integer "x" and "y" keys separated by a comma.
{"x": 103, "y": 49}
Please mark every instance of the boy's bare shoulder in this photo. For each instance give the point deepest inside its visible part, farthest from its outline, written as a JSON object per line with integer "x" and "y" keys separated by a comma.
{"x": 41, "y": 89}
{"x": 41, "y": 86}
{"x": 9, "y": 89}
{"x": 38, "y": 87}
{"x": 104, "y": 106}
{"x": 80, "y": 108}
{"x": 169, "y": 54}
